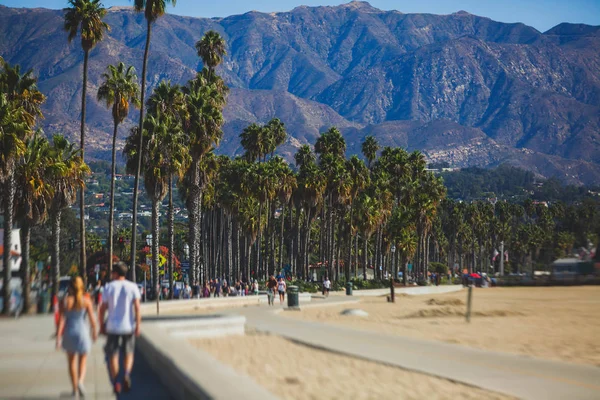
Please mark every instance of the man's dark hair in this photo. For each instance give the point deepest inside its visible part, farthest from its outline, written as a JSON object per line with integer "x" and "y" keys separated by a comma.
{"x": 120, "y": 268}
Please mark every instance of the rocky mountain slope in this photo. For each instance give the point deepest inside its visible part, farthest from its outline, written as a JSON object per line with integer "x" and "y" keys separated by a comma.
{"x": 459, "y": 87}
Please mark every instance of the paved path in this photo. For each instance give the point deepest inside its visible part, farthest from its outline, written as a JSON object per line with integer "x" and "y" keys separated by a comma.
{"x": 31, "y": 368}
{"x": 520, "y": 376}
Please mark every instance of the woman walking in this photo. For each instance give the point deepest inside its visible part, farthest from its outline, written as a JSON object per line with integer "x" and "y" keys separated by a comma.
{"x": 271, "y": 285}
{"x": 73, "y": 333}
{"x": 281, "y": 286}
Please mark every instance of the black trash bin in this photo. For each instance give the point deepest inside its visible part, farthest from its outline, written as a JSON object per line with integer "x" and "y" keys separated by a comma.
{"x": 293, "y": 301}
{"x": 349, "y": 288}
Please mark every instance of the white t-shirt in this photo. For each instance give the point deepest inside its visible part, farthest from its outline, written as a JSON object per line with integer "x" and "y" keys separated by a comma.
{"x": 119, "y": 296}
{"x": 327, "y": 284}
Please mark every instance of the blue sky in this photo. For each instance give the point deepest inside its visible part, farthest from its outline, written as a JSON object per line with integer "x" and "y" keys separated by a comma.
{"x": 541, "y": 14}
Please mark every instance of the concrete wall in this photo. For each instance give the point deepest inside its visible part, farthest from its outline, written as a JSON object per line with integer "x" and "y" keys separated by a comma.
{"x": 187, "y": 371}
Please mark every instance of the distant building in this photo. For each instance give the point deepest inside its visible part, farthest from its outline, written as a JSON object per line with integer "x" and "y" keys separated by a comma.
{"x": 15, "y": 251}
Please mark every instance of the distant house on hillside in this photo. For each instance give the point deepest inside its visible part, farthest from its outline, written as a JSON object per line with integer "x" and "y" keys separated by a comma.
{"x": 15, "y": 251}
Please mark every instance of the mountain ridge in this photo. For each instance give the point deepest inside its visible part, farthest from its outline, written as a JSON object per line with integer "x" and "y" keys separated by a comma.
{"x": 520, "y": 90}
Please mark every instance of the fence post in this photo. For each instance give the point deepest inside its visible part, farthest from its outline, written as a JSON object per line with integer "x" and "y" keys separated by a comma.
{"x": 469, "y": 299}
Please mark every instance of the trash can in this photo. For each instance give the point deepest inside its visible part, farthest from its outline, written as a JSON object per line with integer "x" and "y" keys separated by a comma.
{"x": 292, "y": 293}
{"x": 348, "y": 288}
{"x": 43, "y": 302}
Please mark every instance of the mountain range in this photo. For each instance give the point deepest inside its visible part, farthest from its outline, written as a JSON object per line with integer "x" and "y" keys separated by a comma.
{"x": 461, "y": 88}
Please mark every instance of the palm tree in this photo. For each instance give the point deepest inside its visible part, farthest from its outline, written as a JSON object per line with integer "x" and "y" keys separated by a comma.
{"x": 117, "y": 91}
{"x": 20, "y": 103}
{"x": 368, "y": 212}
{"x": 156, "y": 176}
{"x": 287, "y": 185}
{"x": 34, "y": 195}
{"x": 359, "y": 179}
{"x": 168, "y": 99}
{"x": 255, "y": 141}
{"x": 205, "y": 100}
{"x": 277, "y": 134}
{"x": 211, "y": 49}
{"x": 85, "y": 17}
{"x": 152, "y": 9}
{"x": 370, "y": 147}
{"x": 67, "y": 176}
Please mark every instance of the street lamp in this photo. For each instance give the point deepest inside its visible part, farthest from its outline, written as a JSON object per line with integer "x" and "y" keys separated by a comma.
{"x": 186, "y": 251}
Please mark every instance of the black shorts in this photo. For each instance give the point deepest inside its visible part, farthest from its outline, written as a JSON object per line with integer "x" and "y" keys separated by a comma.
{"x": 281, "y": 292}
{"x": 114, "y": 343}
{"x": 327, "y": 289}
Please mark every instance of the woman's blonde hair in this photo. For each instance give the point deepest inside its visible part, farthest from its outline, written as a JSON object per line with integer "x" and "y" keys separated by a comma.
{"x": 77, "y": 290}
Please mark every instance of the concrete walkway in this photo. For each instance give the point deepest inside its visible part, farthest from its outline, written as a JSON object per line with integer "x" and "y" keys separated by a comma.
{"x": 520, "y": 376}
{"x": 31, "y": 368}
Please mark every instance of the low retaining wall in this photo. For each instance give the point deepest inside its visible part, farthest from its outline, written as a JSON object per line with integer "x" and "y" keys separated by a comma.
{"x": 199, "y": 326}
{"x": 411, "y": 290}
{"x": 187, "y": 371}
{"x": 187, "y": 306}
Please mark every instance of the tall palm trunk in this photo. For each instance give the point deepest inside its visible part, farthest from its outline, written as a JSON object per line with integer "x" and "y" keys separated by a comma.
{"x": 365, "y": 257}
{"x": 291, "y": 241}
{"x": 306, "y": 253}
{"x": 322, "y": 236}
{"x": 356, "y": 256}
{"x": 404, "y": 270}
{"x": 82, "y": 245}
{"x": 272, "y": 236}
{"x": 350, "y": 238}
{"x": 200, "y": 241}
{"x": 155, "y": 250}
{"x": 9, "y": 201}
{"x": 229, "y": 250}
{"x": 257, "y": 256}
{"x": 111, "y": 212}
{"x": 193, "y": 219}
{"x": 56, "y": 215}
{"x": 298, "y": 246}
{"x": 25, "y": 270}
{"x": 138, "y": 170}
{"x": 171, "y": 234}
{"x": 281, "y": 236}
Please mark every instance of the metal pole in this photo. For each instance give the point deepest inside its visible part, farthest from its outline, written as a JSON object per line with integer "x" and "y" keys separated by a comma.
{"x": 469, "y": 299}
{"x": 502, "y": 258}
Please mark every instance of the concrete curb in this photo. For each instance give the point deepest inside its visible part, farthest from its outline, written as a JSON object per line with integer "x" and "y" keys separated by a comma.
{"x": 189, "y": 306}
{"x": 190, "y": 373}
{"x": 411, "y": 290}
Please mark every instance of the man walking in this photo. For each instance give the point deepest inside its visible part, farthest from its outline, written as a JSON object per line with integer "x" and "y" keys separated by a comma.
{"x": 121, "y": 300}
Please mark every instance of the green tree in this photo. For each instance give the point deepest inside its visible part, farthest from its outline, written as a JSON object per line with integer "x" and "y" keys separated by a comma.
{"x": 152, "y": 9}
{"x": 211, "y": 49}
{"x": 20, "y": 103}
{"x": 34, "y": 194}
{"x": 68, "y": 172}
{"x": 84, "y": 17}
{"x": 370, "y": 147}
{"x": 118, "y": 89}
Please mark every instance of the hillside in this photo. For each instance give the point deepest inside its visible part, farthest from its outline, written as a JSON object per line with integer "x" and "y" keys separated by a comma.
{"x": 459, "y": 87}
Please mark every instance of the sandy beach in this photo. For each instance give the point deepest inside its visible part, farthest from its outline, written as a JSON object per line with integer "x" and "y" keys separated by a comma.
{"x": 294, "y": 371}
{"x": 559, "y": 323}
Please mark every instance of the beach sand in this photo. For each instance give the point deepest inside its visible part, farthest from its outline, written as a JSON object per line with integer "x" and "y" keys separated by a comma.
{"x": 560, "y": 323}
{"x": 294, "y": 371}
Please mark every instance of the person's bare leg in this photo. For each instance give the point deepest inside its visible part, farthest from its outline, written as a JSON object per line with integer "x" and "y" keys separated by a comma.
{"x": 72, "y": 370}
{"x": 114, "y": 366}
{"x": 128, "y": 363}
{"x": 82, "y": 367}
